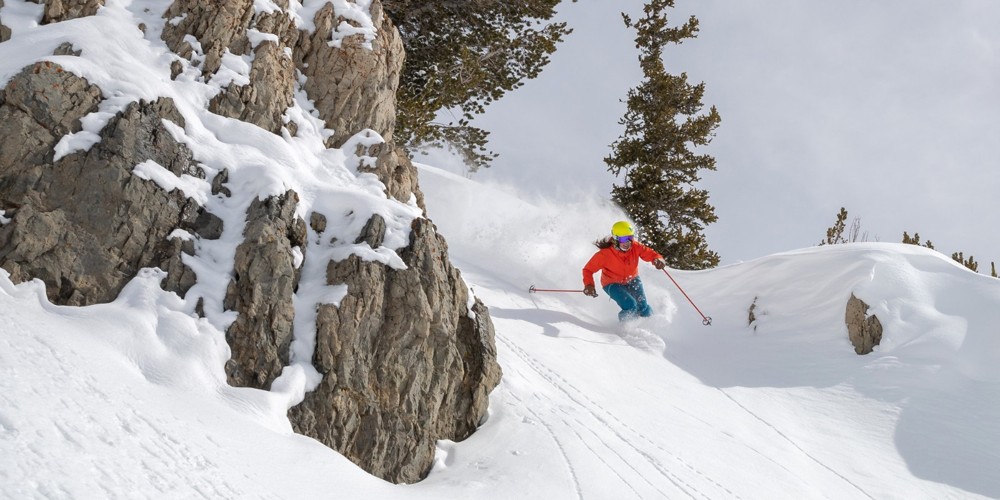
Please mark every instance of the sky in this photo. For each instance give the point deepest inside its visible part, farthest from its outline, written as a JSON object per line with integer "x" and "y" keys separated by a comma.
{"x": 888, "y": 109}
{"x": 129, "y": 399}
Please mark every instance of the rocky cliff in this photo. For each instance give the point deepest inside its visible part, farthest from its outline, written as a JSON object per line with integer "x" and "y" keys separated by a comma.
{"x": 101, "y": 176}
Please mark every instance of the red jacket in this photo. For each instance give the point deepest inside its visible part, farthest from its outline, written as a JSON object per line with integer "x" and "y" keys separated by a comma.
{"x": 617, "y": 266}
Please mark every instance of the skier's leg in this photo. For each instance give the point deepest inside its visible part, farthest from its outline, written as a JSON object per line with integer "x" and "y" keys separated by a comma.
{"x": 620, "y": 294}
{"x": 638, "y": 294}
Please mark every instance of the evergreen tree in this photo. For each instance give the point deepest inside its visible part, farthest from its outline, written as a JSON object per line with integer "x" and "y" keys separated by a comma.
{"x": 835, "y": 233}
{"x": 840, "y": 233}
{"x": 915, "y": 240}
{"x": 461, "y": 55}
{"x": 662, "y": 125}
{"x": 969, "y": 263}
{"x": 959, "y": 257}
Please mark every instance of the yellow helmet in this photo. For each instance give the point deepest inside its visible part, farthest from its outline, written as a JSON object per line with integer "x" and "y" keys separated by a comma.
{"x": 622, "y": 228}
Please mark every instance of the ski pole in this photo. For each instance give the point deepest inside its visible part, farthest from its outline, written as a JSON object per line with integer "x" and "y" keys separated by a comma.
{"x": 706, "y": 320}
{"x": 532, "y": 289}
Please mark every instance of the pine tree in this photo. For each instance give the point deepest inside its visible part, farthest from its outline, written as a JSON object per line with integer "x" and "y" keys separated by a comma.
{"x": 959, "y": 257}
{"x": 915, "y": 240}
{"x": 970, "y": 263}
{"x": 840, "y": 233}
{"x": 835, "y": 233}
{"x": 461, "y": 55}
{"x": 662, "y": 125}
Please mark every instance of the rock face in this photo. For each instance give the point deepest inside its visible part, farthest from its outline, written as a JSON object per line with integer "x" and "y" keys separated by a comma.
{"x": 864, "y": 331}
{"x": 265, "y": 279}
{"x": 383, "y": 356}
{"x": 406, "y": 357}
{"x": 84, "y": 224}
{"x": 361, "y": 91}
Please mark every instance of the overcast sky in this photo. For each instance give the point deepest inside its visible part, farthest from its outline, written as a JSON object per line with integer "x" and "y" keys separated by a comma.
{"x": 888, "y": 108}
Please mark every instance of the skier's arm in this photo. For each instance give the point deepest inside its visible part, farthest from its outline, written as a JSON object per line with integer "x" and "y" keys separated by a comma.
{"x": 596, "y": 263}
{"x": 649, "y": 255}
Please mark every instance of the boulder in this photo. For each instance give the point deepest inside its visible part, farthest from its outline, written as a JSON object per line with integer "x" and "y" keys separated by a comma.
{"x": 864, "y": 331}
{"x": 64, "y": 10}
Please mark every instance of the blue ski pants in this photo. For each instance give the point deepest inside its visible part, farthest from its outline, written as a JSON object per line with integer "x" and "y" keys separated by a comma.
{"x": 631, "y": 298}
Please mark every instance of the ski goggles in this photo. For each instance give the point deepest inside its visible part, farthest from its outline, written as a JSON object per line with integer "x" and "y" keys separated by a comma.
{"x": 623, "y": 239}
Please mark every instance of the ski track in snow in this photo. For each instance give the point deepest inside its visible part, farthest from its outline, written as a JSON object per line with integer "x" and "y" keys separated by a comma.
{"x": 790, "y": 441}
{"x": 555, "y": 438}
{"x": 615, "y": 426}
{"x": 624, "y": 460}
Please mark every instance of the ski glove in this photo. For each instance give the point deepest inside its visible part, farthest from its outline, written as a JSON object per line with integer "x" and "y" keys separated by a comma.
{"x": 659, "y": 264}
{"x": 589, "y": 290}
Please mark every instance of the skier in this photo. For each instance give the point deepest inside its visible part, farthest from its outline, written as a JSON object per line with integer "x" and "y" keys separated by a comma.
{"x": 618, "y": 262}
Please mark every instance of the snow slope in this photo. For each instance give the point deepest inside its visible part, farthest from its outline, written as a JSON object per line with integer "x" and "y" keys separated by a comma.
{"x": 779, "y": 409}
{"x": 129, "y": 400}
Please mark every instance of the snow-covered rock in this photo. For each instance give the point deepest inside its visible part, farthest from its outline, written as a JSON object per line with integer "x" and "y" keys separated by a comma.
{"x": 197, "y": 138}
